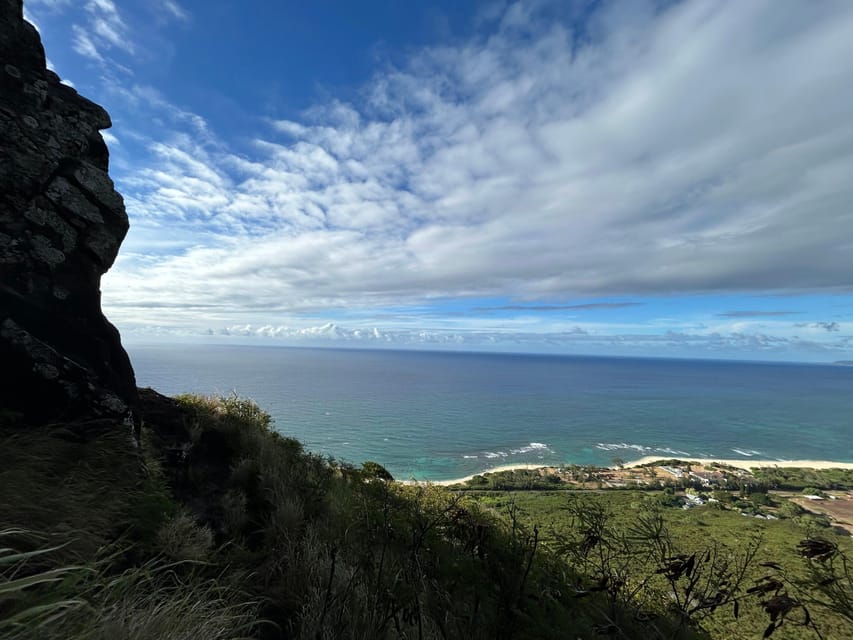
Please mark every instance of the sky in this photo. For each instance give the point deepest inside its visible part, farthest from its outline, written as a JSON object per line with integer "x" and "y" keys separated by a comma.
{"x": 669, "y": 179}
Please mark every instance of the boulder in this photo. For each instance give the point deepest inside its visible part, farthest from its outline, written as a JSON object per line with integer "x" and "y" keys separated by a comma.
{"x": 61, "y": 225}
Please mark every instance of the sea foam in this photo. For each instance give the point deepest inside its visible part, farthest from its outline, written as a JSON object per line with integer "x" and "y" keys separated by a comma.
{"x": 639, "y": 448}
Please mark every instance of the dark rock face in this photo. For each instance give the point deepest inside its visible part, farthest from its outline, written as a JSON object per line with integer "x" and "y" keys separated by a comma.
{"x": 61, "y": 224}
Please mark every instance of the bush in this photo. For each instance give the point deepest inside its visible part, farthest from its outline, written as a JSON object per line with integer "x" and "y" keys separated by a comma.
{"x": 375, "y": 471}
{"x": 723, "y": 497}
{"x": 668, "y": 499}
{"x": 790, "y": 509}
{"x": 761, "y": 499}
{"x": 182, "y": 538}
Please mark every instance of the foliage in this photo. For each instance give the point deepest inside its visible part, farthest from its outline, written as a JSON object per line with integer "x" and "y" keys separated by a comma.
{"x": 334, "y": 553}
{"x": 512, "y": 480}
{"x": 375, "y": 471}
{"x": 58, "y": 483}
{"x": 797, "y": 479}
{"x": 640, "y": 565}
{"x": 565, "y": 520}
{"x": 42, "y": 598}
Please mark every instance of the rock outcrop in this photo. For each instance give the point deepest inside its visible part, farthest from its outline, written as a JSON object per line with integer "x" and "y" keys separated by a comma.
{"x": 61, "y": 224}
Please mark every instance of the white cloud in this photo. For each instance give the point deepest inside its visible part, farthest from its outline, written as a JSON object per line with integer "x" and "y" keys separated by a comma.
{"x": 174, "y": 10}
{"x": 707, "y": 147}
{"x": 49, "y": 4}
{"x": 84, "y": 45}
{"x": 104, "y": 30}
{"x": 572, "y": 339}
{"x": 107, "y": 25}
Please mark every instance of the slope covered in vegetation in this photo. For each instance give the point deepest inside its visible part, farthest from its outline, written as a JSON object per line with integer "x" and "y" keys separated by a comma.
{"x": 239, "y": 530}
{"x": 218, "y": 527}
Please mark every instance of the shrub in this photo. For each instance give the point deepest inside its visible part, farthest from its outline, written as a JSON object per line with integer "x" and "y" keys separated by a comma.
{"x": 182, "y": 538}
{"x": 375, "y": 471}
{"x": 790, "y": 509}
{"x": 761, "y": 499}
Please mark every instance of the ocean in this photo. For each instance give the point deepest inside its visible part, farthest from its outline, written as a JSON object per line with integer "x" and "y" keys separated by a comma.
{"x": 440, "y": 415}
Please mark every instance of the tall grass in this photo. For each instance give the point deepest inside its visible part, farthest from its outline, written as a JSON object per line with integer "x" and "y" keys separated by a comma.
{"x": 41, "y": 599}
{"x": 57, "y": 482}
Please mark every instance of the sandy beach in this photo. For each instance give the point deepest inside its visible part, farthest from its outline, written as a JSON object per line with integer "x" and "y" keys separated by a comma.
{"x": 738, "y": 464}
{"x": 503, "y": 467}
{"x": 751, "y": 464}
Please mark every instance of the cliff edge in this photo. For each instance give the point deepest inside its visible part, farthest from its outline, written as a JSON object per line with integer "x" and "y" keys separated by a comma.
{"x": 61, "y": 225}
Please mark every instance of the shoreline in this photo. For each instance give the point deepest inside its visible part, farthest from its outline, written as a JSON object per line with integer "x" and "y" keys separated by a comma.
{"x": 499, "y": 468}
{"x": 745, "y": 464}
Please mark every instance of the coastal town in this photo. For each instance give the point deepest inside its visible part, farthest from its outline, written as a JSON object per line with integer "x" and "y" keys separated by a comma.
{"x": 764, "y": 492}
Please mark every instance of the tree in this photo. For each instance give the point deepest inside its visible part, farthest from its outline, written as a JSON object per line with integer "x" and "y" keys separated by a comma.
{"x": 375, "y": 471}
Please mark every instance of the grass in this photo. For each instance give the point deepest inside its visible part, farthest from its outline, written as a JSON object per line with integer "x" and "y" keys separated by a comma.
{"x": 156, "y": 599}
{"x": 59, "y": 484}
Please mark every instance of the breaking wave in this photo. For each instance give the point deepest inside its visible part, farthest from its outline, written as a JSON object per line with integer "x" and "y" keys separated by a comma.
{"x": 534, "y": 447}
{"x": 639, "y": 448}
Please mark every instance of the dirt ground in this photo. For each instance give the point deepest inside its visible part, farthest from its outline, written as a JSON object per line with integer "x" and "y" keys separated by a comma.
{"x": 840, "y": 509}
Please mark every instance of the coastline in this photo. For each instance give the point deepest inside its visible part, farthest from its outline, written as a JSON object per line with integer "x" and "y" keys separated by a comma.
{"x": 738, "y": 464}
{"x": 750, "y": 464}
{"x": 499, "y": 468}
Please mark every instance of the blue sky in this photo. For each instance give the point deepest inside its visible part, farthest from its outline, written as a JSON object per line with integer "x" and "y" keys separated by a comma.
{"x": 624, "y": 178}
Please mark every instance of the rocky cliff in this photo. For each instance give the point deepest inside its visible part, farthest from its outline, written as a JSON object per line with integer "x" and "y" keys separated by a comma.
{"x": 61, "y": 224}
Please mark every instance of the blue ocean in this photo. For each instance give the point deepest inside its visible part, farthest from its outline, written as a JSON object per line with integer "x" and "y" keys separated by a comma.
{"x": 439, "y": 415}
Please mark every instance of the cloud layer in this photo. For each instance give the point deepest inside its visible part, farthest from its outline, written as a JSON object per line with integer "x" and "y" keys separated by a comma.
{"x": 705, "y": 148}
{"x": 702, "y": 148}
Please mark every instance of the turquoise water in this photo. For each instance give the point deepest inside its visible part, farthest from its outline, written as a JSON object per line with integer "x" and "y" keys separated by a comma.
{"x": 436, "y": 416}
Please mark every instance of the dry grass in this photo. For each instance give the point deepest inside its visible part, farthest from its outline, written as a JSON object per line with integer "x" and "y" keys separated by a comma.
{"x": 60, "y": 484}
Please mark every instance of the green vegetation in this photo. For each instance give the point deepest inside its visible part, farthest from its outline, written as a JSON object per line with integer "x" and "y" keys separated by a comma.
{"x": 249, "y": 535}
{"x": 795, "y": 479}
{"x": 511, "y": 480}
{"x": 244, "y": 534}
{"x": 625, "y": 543}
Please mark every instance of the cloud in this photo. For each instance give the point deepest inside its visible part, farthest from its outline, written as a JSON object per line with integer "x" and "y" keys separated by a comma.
{"x": 108, "y": 26}
{"x": 108, "y": 137}
{"x": 84, "y": 44}
{"x": 51, "y": 4}
{"x": 563, "y": 307}
{"x": 700, "y": 148}
{"x": 756, "y": 314}
{"x": 175, "y": 11}
{"x": 105, "y": 29}
{"x": 826, "y": 326}
{"x": 571, "y": 340}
